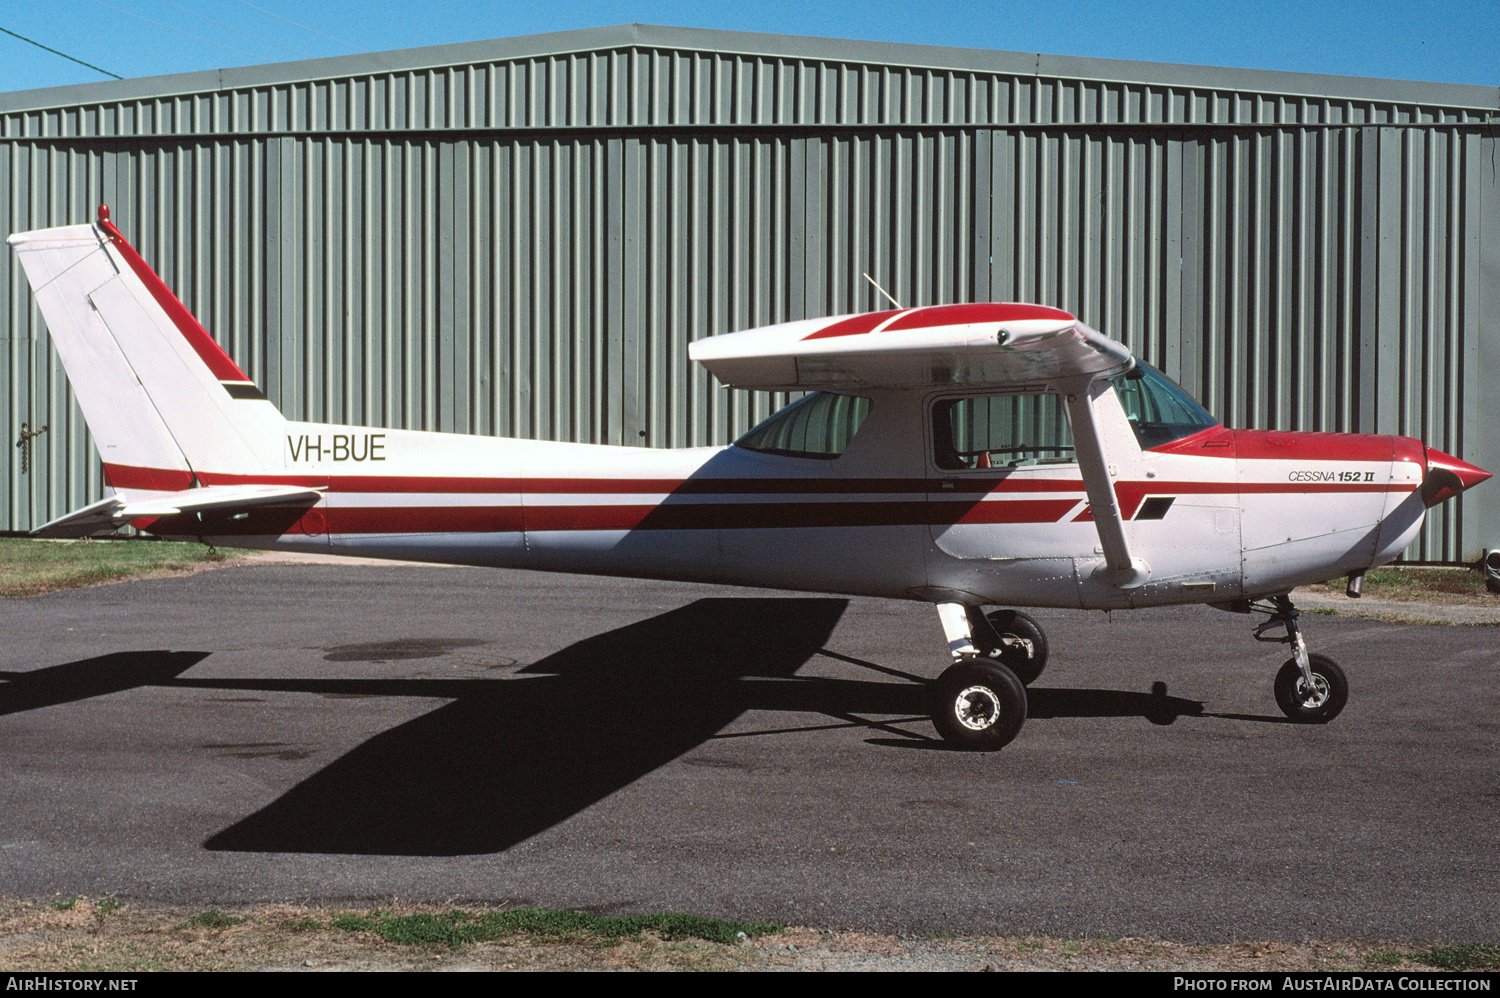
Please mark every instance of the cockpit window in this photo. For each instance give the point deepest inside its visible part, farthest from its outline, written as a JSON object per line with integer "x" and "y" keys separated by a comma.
{"x": 818, "y": 426}
{"x": 1001, "y": 431}
{"x": 1158, "y": 410}
{"x": 1015, "y": 431}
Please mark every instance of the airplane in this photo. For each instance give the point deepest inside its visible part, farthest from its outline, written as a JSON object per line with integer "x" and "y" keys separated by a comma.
{"x": 979, "y": 457}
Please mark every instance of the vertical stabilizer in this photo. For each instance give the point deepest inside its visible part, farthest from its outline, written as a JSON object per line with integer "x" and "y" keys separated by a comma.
{"x": 164, "y": 402}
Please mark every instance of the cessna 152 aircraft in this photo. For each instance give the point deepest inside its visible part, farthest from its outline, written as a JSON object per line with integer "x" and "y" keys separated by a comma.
{"x": 972, "y": 456}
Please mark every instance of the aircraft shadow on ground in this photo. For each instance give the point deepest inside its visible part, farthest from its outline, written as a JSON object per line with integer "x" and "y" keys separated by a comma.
{"x": 92, "y": 677}
{"x": 509, "y": 758}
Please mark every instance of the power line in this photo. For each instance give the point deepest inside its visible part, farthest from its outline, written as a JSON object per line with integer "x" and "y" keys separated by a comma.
{"x": 304, "y": 27}
{"x": 178, "y": 30}
{"x": 237, "y": 31}
{"x": 63, "y": 54}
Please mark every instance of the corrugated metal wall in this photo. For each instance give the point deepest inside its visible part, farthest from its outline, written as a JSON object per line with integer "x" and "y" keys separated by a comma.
{"x": 526, "y": 246}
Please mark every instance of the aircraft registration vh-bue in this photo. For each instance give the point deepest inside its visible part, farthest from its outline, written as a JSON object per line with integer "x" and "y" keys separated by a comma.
{"x": 972, "y": 456}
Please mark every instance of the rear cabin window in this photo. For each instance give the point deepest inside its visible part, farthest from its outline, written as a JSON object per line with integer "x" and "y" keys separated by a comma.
{"x": 1001, "y": 431}
{"x": 818, "y": 426}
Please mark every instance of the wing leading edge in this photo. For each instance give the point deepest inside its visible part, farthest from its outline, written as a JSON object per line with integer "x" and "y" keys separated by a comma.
{"x": 988, "y": 344}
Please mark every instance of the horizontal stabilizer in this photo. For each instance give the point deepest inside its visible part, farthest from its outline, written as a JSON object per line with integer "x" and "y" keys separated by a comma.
{"x": 93, "y": 519}
{"x": 108, "y": 515}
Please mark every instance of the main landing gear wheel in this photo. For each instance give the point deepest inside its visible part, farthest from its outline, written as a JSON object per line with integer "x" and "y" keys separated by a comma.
{"x": 1316, "y": 704}
{"x": 980, "y": 705}
{"x": 1026, "y": 656}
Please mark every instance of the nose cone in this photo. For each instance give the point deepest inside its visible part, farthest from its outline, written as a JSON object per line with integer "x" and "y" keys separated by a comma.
{"x": 1447, "y": 476}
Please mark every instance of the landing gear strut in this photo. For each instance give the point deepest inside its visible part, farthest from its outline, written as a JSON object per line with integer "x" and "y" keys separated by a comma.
{"x": 1310, "y": 689}
{"x": 980, "y": 701}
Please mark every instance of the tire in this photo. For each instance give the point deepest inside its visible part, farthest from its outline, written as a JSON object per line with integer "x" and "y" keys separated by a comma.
{"x": 980, "y": 705}
{"x": 1320, "y": 705}
{"x": 1026, "y": 663}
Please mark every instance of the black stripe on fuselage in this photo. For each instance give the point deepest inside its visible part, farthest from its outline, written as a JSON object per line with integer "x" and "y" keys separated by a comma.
{"x": 1155, "y": 508}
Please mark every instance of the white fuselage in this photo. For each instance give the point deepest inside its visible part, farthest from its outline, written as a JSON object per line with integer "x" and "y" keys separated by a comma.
{"x": 1246, "y": 513}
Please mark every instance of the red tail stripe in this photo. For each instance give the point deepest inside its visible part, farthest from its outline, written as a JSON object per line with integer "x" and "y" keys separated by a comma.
{"x": 122, "y": 476}
{"x": 192, "y": 330}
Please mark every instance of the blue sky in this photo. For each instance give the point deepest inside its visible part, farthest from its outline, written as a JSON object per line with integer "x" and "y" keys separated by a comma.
{"x": 1457, "y": 42}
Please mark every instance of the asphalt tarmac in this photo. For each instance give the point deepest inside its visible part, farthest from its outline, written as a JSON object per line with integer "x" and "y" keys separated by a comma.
{"x": 361, "y": 734}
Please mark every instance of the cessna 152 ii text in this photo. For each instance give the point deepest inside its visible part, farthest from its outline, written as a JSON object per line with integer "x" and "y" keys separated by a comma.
{"x": 971, "y": 456}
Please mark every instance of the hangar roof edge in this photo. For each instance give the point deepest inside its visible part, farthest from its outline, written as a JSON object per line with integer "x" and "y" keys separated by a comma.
{"x": 900, "y": 54}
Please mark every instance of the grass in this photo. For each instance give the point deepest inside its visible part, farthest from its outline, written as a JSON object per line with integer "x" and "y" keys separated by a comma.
{"x": 41, "y": 935}
{"x": 1483, "y": 956}
{"x": 1431, "y": 585}
{"x": 44, "y": 935}
{"x": 457, "y": 927}
{"x": 213, "y": 918}
{"x": 301, "y": 924}
{"x": 30, "y": 567}
{"x": 1479, "y": 956}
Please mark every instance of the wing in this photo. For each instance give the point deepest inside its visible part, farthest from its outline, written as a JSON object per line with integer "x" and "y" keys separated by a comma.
{"x": 992, "y": 343}
{"x": 111, "y": 513}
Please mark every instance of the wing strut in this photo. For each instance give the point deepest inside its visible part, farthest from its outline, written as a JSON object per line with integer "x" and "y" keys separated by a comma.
{"x": 1120, "y": 567}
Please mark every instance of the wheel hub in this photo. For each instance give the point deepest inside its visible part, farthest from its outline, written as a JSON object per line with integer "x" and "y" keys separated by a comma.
{"x": 977, "y": 708}
{"x": 1314, "y": 696}
{"x": 1019, "y": 648}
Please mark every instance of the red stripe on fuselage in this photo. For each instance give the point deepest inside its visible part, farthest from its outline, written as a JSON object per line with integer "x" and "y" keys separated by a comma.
{"x": 219, "y": 362}
{"x": 122, "y": 476}
{"x": 424, "y": 519}
{"x": 942, "y": 502}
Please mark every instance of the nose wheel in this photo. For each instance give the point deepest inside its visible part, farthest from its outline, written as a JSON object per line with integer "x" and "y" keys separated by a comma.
{"x": 1315, "y": 702}
{"x": 1310, "y": 689}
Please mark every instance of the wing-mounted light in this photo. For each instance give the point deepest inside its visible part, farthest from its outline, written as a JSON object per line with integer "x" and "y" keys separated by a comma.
{"x": 1447, "y": 476}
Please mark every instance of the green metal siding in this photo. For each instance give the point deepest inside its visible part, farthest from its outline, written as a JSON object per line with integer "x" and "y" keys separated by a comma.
{"x": 521, "y": 237}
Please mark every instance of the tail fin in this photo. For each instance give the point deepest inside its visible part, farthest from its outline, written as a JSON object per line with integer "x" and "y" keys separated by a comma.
{"x": 165, "y": 404}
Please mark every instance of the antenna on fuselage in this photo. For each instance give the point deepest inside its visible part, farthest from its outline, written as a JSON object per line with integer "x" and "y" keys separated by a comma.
{"x": 881, "y": 290}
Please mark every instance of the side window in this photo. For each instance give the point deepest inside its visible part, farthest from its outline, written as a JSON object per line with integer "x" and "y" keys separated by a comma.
{"x": 1001, "y": 431}
{"x": 819, "y": 426}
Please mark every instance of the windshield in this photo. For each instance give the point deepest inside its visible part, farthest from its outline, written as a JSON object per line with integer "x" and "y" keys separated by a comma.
{"x": 1158, "y": 410}
{"x": 818, "y": 426}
